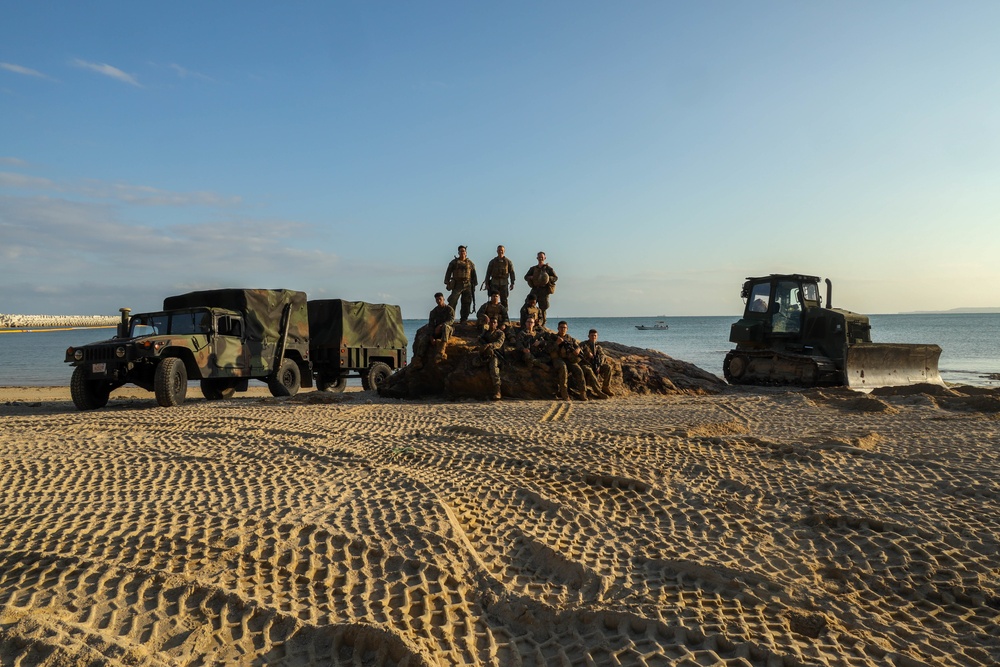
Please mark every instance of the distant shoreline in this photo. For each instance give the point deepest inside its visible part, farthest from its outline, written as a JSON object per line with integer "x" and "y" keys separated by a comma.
{"x": 6, "y": 330}
{"x": 52, "y": 322}
{"x": 955, "y": 311}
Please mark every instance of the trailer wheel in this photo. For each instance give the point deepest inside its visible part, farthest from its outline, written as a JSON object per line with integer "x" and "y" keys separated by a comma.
{"x": 377, "y": 373}
{"x": 170, "y": 382}
{"x": 287, "y": 380}
{"x": 215, "y": 389}
{"x": 88, "y": 394}
{"x": 337, "y": 384}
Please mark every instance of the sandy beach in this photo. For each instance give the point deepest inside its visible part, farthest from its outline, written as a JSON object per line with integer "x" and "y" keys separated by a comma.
{"x": 761, "y": 527}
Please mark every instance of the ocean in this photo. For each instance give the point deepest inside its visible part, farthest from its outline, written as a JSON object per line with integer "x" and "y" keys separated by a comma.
{"x": 970, "y": 343}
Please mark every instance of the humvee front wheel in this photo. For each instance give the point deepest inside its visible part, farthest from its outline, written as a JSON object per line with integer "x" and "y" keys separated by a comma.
{"x": 377, "y": 373}
{"x": 287, "y": 380}
{"x": 336, "y": 384}
{"x": 215, "y": 389}
{"x": 88, "y": 394}
{"x": 170, "y": 382}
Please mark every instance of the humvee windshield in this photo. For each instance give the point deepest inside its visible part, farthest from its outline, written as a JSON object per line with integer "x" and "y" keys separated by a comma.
{"x": 182, "y": 322}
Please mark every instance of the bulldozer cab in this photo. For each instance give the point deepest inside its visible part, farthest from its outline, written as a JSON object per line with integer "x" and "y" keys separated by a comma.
{"x": 780, "y": 301}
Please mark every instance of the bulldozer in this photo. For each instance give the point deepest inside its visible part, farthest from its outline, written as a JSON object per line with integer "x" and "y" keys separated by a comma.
{"x": 788, "y": 337}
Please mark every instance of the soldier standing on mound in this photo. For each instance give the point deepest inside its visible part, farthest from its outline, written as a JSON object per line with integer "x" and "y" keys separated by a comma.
{"x": 461, "y": 280}
{"x": 499, "y": 276}
{"x": 541, "y": 278}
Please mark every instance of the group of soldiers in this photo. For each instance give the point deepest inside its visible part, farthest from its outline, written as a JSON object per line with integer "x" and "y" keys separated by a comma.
{"x": 461, "y": 280}
{"x": 529, "y": 343}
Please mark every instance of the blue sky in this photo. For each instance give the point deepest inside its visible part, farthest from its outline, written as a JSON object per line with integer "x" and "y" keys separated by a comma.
{"x": 658, "y": 152}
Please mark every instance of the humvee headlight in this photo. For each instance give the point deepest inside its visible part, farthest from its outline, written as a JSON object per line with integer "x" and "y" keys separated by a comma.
{"x": 120, "y": 352}
{"x": 78, "y": 355}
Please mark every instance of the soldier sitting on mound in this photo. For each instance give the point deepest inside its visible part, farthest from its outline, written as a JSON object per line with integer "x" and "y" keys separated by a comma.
{"x": 435, "y": 333}
{"x": 565, "y": 354}
{"x": 493, "y": 310}
{"x": 531, "y": 309}
{"x": 490, "y": 350}
{"x": 594, "y": 358}
{"x": 526, "y": 343}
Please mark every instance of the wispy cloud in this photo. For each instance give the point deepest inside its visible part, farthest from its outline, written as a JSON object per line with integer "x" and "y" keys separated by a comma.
{"x": 11, "y": 180}
{"x": 26, "y": 71}
{"x": 107, "y": 70}
{"x": 185, "y": 73}
{"x": 139, "y": 195}
{"x": 13, "y": 161}
{"x": 82, "y": 242}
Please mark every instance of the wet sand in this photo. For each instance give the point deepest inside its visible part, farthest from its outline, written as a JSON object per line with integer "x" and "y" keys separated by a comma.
{"x": 761, "y": 527}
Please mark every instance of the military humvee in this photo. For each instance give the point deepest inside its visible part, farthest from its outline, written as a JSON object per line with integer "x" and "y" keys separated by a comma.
{"x": 354, "y": 339}
{"x": 224, "y": 338}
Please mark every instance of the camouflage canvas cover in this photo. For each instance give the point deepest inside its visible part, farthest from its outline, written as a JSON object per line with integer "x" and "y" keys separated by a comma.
{"x": 336, "y": 323}
{"x": 263, "y": 308}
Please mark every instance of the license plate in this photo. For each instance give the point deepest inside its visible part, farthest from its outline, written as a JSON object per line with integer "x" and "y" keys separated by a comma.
{"x": 99, "y": 368}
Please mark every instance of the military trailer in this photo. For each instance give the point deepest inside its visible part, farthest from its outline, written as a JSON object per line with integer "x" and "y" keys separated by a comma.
{"x": 224, "y": 338}
{"x": 354, "y": 339}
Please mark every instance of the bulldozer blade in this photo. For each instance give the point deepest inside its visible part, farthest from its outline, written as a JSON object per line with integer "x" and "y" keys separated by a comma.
{"x": 871, "y": 365}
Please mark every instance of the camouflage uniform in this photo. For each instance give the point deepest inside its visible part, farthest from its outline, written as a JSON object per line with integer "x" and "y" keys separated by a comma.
{"x": 441, "y": 316}
{"x": 565, "y": 354}
{"x": 491, "y": 347}
{"x": 595, "y": 359}
{"x": 461, "y": 279}
{"x": 524, "y": 345}
{"x": 527, "y": 310}
{"x": 542, "y": 280}
{"x": 492, "y": 311}
{"x": 500, "y": 278}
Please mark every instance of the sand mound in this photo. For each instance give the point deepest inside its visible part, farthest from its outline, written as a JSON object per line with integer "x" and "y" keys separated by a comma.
{"x": 462, "y": 374}
{"x": 924, "y": 389}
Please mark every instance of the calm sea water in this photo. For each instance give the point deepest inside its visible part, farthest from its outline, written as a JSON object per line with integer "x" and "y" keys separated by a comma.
{"x": 970, "y": 343}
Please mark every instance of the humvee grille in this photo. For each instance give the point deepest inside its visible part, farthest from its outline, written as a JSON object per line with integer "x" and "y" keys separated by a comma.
{"x": 98, "y": 353}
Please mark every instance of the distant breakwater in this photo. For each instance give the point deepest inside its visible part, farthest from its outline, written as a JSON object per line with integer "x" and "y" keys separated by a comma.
{"x": 56, "y": 321}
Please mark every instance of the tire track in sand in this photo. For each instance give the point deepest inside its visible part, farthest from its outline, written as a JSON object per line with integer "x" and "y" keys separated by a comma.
{"x": 558, "y": 411}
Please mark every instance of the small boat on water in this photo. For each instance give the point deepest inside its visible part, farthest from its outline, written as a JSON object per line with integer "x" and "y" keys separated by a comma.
{"x": 660, "y": 325}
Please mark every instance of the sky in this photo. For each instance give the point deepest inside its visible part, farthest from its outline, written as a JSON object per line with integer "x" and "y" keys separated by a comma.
{"x": 659, "y": 152}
